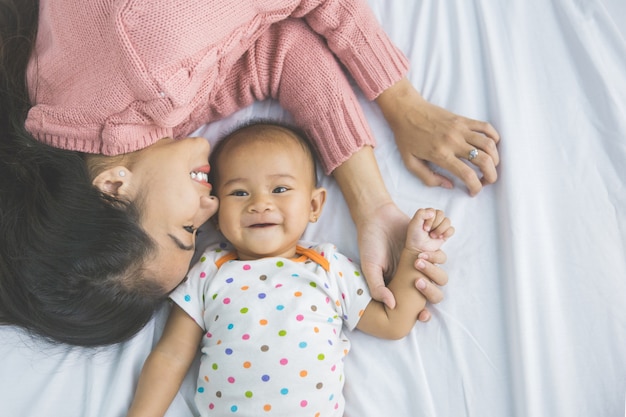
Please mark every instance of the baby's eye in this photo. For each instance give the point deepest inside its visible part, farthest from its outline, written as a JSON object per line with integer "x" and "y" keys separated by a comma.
{"x": 278, "y": 190}
{"x": 239, "y": 193}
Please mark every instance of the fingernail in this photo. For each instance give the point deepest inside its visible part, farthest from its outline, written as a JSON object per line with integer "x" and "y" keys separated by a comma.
{"x": 421, "y": 264}
{"x": 421, "y": 284}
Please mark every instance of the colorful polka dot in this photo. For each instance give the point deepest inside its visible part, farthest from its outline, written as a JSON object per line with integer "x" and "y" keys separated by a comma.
{"x": 248, "y": 394}
{"x": 280, "y": 264}
{"x": 265, "y": 378}
{"x": 187, "y": 298}
{"x": 284, "y": 391}
{"x": 247, "y": 267}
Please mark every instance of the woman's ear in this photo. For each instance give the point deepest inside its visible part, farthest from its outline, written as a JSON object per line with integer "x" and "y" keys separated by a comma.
{"x": 115, "y": 182}
{"x": 318, "y": 198}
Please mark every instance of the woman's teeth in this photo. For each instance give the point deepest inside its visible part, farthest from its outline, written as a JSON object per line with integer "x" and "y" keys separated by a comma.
{"x": 199, "y": 176}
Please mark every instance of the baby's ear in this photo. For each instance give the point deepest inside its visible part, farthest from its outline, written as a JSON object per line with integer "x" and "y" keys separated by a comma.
{"x": 318, "y": 199}
{"x": 115, "y": 182}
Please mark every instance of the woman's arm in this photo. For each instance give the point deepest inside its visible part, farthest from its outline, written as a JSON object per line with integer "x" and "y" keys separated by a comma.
{"x": 166, "y": 366}
{"x": 427, "y": 231}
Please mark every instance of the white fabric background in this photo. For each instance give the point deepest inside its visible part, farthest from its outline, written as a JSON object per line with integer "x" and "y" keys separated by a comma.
{"x": 534, "y": 319}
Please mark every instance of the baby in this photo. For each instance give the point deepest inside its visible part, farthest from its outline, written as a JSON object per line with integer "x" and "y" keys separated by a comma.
{"x": 267, "y": 309}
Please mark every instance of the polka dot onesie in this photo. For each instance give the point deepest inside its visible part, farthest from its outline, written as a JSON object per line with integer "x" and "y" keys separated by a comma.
{"x": 273, "y": 342}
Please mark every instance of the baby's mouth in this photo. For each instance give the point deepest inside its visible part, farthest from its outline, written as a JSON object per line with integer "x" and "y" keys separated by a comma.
{"x": 261, "y": 225}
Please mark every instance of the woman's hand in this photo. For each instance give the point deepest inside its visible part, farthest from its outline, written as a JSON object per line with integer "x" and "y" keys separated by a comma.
{"x": 428, "y": 133}
{"x": 381, "y": 239}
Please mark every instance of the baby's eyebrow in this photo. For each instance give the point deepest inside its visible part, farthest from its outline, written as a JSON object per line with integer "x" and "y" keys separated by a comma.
{"x": 180, "y": 244}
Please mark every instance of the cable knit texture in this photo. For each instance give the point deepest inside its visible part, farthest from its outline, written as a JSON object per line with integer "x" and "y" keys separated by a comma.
{"x": 115, "y": 76}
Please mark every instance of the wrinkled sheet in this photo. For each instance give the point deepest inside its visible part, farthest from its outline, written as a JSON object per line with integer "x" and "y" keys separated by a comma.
{"x": 534, "y": 319}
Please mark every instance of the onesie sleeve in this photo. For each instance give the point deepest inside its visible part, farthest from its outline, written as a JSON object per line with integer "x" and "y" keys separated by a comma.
{"x": 353, "y": 293}
{"x": 189, "y": 295}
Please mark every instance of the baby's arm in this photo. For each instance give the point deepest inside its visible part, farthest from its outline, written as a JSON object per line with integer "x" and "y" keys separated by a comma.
{"x": 166, "y": 367}
{"x": 427, "y": 231}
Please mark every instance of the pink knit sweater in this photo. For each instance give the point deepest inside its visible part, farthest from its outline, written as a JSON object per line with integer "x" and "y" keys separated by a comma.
{"x": 114, "y": 76}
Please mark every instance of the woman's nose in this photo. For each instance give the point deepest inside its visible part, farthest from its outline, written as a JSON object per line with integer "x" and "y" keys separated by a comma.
{"x": 208, "y": 207}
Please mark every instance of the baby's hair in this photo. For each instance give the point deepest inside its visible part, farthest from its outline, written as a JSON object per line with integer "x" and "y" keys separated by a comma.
{"x": 299, "y": 134}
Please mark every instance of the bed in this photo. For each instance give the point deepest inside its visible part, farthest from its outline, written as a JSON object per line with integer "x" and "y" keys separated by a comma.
{"x": 534, "y": 319}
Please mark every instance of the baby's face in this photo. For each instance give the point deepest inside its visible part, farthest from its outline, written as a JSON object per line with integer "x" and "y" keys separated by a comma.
{"x": 267, "y": 194}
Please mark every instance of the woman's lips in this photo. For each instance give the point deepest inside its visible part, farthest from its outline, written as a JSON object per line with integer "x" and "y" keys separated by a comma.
{"x": 201, "y": 175}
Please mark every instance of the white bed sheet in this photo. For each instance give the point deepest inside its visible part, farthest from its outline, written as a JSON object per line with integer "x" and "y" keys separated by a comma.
{"x": 533, "y": 323}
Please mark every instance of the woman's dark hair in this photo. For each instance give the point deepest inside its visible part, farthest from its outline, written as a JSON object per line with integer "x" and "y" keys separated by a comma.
{"x": 71, "y": 258}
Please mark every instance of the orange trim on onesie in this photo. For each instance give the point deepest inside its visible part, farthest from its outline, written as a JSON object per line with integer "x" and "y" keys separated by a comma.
{"x": 305, "y": 254}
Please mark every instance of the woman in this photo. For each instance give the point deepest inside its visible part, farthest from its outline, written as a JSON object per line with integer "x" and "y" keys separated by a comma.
{"x": 113, "y": 82}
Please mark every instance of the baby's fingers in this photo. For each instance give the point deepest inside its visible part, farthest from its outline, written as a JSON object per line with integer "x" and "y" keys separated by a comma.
{"x": 441, "y": 227}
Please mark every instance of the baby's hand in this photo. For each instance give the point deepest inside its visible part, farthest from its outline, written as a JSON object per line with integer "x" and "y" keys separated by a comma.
{"x": 427, "y": 231}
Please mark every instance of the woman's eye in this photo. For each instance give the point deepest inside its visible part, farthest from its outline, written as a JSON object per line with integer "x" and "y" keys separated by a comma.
{"x": 278, "y": 190}
{"x": 189, "y": 229}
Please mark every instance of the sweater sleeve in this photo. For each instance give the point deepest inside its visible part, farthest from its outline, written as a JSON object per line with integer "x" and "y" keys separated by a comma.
{"x": 292, "y": 64}
{"x": 354, "y": 34}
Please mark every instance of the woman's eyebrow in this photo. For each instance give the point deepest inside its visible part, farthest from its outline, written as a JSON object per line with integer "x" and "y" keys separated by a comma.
{"x": 180, "y": 244}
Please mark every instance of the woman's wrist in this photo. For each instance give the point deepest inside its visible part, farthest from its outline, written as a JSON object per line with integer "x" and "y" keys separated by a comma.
{"x": 391, "y": 100}
{"x": 362, "y": 184}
